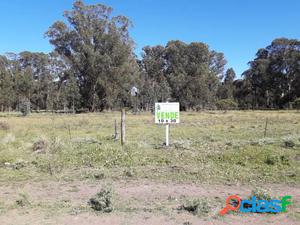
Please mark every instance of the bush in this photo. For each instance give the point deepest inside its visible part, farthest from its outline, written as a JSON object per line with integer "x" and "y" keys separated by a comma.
{"x": 22, "y": 200}
{"x": 198, "y": 207}
{"x": 289, "y": 144}
{"x": 4, "y": 126}
{"x": 102, "y": 201}
{"x": 40, "y": 146}
{"x": 261, "y": 194}
{"x": 296, "y": 104}
{"x": 25, "y": 107}
{"x": 226, "y": 104}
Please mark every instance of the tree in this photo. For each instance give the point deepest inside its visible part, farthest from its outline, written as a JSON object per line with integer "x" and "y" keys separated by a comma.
{"x": 274, "y": 74}
{"x": 35, "y": 80}
{"x": 192, "y": 82}
{"x": 187, "y": 73}
{"x": 7, "y": 94}
{"x": 155, "y": 86}
{"x": 226, "y": 89}
{"x": 99, "y": 50}
{"x": 296, "y": 104}
{"x": 70, "y": 93}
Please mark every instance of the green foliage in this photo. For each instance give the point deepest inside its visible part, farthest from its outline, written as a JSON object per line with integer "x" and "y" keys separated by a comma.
{"x": 102, "y": 201}
{"x": 261, "y": 194}
{"x": 23, "y": 200}
{"x": 226, "y": 89}
{"x": 100, "y": 51}
{"x": 198, "y": 207}
{"x": 296, "y": 104}
{"x": 272, "y": 80}
{"x": 93, "y": 67}
{"x": 187, "y": 73}
{"x": 226, "y": 104}
{"x": 25, "y": 107}
{"x": 4, "y": 126}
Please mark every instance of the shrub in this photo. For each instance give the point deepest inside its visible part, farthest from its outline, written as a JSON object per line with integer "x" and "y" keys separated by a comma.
{"x": 22, "y": 200}
{"x": 289, "y": 144}
{"x": 40, "y": 146}
{"x": 271, "y": 160}
{"x": 296, "y": 104}
{"x": 4, "y": 126}
{"x": 102, "y": 201}
{"x": 25, "y": 107}
{"x": 261, "y": 194}
{"x": 196, "y": 207}
{"x": 226, "y": 104}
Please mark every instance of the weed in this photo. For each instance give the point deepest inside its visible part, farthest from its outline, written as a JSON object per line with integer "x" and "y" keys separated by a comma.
{"x": 102, "y": 201}
{"x": 23, "y": 200}
{"x": 129, "y": 172}
{"x": 40, "y": 146}
{"x": 198, "y": 207}
{"x": 99, "y": 176}
{"x": 261, "y": 194}
{"x": 4, "y": 126}
{"x": 187, "y": 223}
{"x": 289, "y": 144}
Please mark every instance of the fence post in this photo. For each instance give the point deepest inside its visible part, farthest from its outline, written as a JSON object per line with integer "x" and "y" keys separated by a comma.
{"x": 116, "y": 137}
{"x": 266, "y": 127}
{"x": 123, "y": 131}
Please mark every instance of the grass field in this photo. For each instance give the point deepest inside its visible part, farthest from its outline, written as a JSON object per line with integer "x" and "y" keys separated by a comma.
{"x": 209, "y": 151}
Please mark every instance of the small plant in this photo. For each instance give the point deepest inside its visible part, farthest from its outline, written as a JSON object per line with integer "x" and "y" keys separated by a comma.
{"x": 196, "y": 207}
{"x": 4, "y": 126}
{"x": 99, "y": 176}
{"x": 272, "y": 160}
{"x": 289, "y": 144}
{"x": 296, "y": 104}
{"x": 284, "y": 160}
{"x": 187, "y": 223}
{"x": 226, "y": 104}
{"x": 40, "y": 146}
{"x": 24, "y": 107}
{"x": 129, "y": 172}
{"x": 23, "y": 200}
{"x": 261, "y": 194}
{"x": 102, "y": 201}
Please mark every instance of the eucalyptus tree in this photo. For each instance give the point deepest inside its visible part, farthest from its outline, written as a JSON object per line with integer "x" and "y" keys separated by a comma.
{"x": 274, "y": 75}
{"x": 99, "y": 49}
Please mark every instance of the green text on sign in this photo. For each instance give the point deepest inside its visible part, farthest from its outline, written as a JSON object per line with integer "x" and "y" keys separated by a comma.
{"x": 167, "y": 112}
{"x": 167, "y": 115}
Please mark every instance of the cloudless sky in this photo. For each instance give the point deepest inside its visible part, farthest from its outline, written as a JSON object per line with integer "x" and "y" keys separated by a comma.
{"x": 238, "y": 28}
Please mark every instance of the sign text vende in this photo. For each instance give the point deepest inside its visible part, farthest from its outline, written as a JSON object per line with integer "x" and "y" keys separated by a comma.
{"x": 167, "y": 113}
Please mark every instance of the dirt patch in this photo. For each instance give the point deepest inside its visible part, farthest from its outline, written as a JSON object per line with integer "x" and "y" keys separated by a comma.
{"x": 137, "y": 202}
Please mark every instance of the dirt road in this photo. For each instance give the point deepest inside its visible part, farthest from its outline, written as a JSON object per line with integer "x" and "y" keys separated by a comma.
{"x": 135, "y": 202}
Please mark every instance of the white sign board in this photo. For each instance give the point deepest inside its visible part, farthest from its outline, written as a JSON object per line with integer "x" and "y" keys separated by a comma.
{"x": 167, "y": 112}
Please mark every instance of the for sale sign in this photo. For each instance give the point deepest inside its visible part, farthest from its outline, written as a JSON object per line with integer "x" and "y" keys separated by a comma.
{"x": 167, "y": 112}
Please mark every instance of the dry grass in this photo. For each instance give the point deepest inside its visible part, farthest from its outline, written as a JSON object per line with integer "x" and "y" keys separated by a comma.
{"x": 211, "y": 147}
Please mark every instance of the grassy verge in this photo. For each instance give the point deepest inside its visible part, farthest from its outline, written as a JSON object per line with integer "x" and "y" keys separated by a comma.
{"x": 211, "y": 147}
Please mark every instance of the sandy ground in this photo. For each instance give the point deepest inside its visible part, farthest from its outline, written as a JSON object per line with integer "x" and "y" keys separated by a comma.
{"x": 137, "y": 202}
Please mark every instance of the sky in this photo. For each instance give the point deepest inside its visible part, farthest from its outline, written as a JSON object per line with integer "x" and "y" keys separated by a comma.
{"x": 238, "y": 28}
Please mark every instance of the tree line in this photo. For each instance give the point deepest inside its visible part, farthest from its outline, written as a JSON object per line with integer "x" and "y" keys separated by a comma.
{"x": 93, "y": 67}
